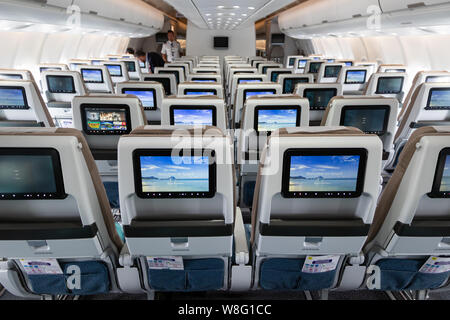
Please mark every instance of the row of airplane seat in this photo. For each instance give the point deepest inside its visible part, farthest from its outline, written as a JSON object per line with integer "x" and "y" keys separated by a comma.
{"x": 61, "y": 212}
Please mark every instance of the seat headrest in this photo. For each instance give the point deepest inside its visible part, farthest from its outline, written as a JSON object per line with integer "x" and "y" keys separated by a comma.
{"x": 287, "y": 132}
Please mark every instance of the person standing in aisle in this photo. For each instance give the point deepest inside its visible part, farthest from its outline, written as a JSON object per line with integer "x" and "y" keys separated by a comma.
{"x": 171, "y": 48}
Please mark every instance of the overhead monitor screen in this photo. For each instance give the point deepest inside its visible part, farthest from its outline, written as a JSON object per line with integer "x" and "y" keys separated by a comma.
{"x": 175, "y": 72}
{"x": 441, "y": 183}
{"x": 270, "y": 118}
{"x": 164, "y": 81}
{"x": 60, "y": 84}
{"x": 369, "y": 119}
{"x": 438, "y": 99}
{"x": 314, "y": 67}
{"x": 147, "y": 96}
{"x": 115, "y": 70}
{"x": 302, "y": 63}
{"x": 275, "y": 74}
{"x": 160, "y": 174}
{"x": 355, "y": 77}
{"x": 290, "y": 83}
{"x": 92, "y": 75}
{"x": 437, "y": 79}
{"x": 389, "y": 85}
{"x": 323, "y": 173}
{"x": 131, "y": 66}
{"x": 13, "y": 98}
{"x": 319, "y": 98}
{"x": 193, "y": 116}
{"x": 106, "y": 119}
{"x": 31, "y": 173}
{"x": 291, "y": 62}
{"x": 332, "y": 71}
{"x": 7, "y": 76}
{"x": 256, "y": 92}
{"x": 253, "y": 80}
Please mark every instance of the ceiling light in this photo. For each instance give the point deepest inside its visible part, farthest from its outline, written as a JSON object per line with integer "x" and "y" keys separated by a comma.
{"x": 244, "y": 14}
{"x": 251, "y": 8}
{"x": 207, "y": 14}
{"x": 219, "y": 14}
{"x": 220, "y": 7}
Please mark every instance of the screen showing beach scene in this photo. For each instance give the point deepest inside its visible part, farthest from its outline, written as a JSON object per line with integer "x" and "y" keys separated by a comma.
{"x": 114, "y": 70}
{"x": 439, "y": 99}
{"x": 12, "y": 98}
{"x": 273, "y": 119}
{"x": 301, "y": 64}
{"x": 92, "y": 75}
{"x": 332, "y": 71}
{"x": 445, "y": 182}
{"x": 5, "y": 76}
{"x": 102, "y": 119}
{"x": 146, "y": 97}
{"x": 199, "y": 93}
{"x": 324, "y": 173}
{"x": 437, "y": 79}
{"x": 192, "y": 117}
{"x": 388, "y": 85}
{"x": 249, "y": 80}
{"x": 256, "y": 93}
{"x": 26, "y": 174}
{"x": 368, "y": 120}
{"x": 174, "y": 174}
{"x": 356, "y": 76}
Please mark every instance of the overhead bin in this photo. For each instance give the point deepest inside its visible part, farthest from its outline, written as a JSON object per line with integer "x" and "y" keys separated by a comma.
{"x": 132, "y": 18}
{"x": 363, "y": 17}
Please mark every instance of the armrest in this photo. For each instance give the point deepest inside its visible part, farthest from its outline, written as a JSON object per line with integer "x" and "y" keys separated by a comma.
{"x": 240, "y": 239}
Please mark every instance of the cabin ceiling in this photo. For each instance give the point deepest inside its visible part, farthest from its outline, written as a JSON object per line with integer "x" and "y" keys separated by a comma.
{"x": 226, "y": 14}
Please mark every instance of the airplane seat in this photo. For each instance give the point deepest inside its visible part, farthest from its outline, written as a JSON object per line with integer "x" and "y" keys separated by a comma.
{"x": 151, "y": 94}
{"x": 133, "y": 68}
{"x": 187, "y": 89}
{"x": 168, "y": 81}
{"x": 421, "y": 77}
{"x": 59, "y": 88}
{"x": 354, "y": 79}
{"x": 261, "y": 116}
{"x": 190, "y": 220}
{"x": 390, "y": 85}
{"x": 239, "y": 78}
{"x": 103, "y": 119}
{"x": 200, "y": 77}
{"x": 263, "y": 68}
{"x": 315, "y": 196}
{"x": 290, "y": 62}
{"x": 313, "y": 66}
{"x": 396, "y": 68}
{"x": 429, "y": 106}
{"x": 319, "y": 95}
{"x": 15, "y": 74}
{"x": 195, "y": 110}
{"x": 408, "y": 240}
{"x": 22, "y": 105}
{"x": 274, "y": 73}
{"x": 178, "y": 72}
{"x": 117, "y": 70}
{"x": 372, "y": 115}
{"x": 183, "y": 65}
{"x": 96, "y": 78}
{"x": 56, "y": 221}
{"x": 246, "y": 90}
{"x": 329, "y": 72}
{"x": 238, "y": 70}
{"x": 300, "y": 65}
